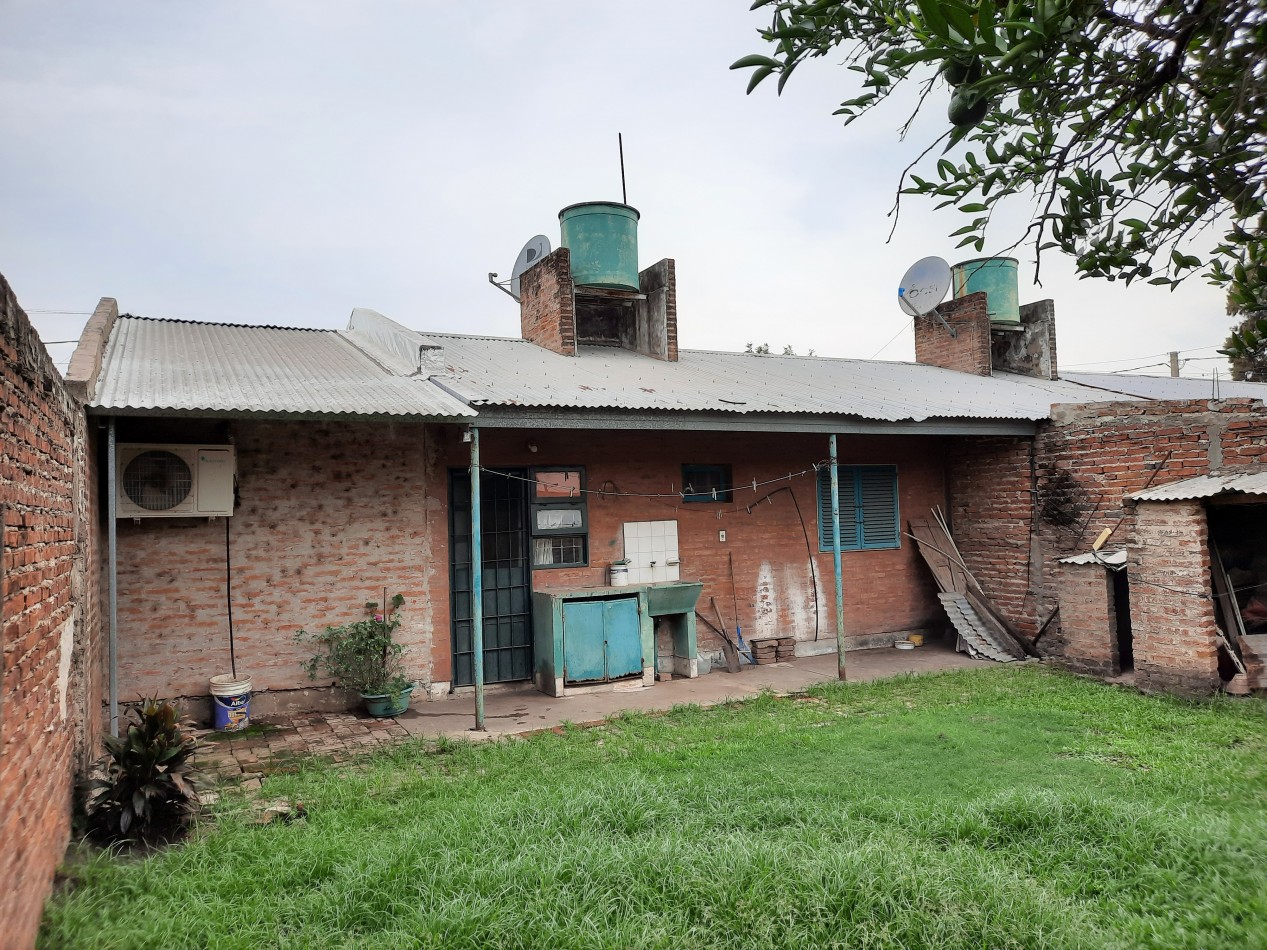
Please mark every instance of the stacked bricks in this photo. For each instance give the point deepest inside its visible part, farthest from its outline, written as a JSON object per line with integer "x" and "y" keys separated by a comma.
{"x": 46, "y": 642}
{"x": 1172, "y": 611}
{"x": 547, "y": 307}
{"x": 968, "y": 350}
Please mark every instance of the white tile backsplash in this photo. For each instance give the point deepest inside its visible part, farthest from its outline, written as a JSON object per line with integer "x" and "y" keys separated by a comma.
{"x": 650, "y": 546}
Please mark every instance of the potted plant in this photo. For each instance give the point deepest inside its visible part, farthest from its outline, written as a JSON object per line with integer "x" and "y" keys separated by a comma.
{"x": 362, "y": 656}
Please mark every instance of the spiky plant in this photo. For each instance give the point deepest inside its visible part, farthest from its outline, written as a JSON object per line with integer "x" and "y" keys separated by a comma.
{"x": 149, "y": 788}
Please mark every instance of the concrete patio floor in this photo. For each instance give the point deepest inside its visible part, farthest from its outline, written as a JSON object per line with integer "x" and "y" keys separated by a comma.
{"x": 519, "y": 709}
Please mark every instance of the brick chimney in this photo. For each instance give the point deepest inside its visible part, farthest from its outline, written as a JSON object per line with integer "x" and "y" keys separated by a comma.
{"x": 556, "y": 314}
{"x": 547, "y": 303}
{"x": 968, "y": 349}
{"x": 1030, "y": 348}
{"x": 982, "y": 348}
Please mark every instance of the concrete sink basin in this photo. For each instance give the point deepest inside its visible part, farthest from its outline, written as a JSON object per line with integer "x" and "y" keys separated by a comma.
{"x": 673, "y": 597}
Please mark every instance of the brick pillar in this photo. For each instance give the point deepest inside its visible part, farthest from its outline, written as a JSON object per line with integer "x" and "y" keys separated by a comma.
{"x": 547, "y": 305}
{"x": 656, "y": 332}
{"x": 1088, "y": 619}
{"x": 1172, "y": 610}
{"x": 968, "y": 351}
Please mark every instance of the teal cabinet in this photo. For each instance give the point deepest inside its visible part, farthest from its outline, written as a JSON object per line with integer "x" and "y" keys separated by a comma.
{"x": 591, "y": 635}
{"x": 602, "y": 640}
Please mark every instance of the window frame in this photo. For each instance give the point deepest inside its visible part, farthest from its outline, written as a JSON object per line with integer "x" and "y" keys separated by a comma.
{"x": 851, "y": 479}
{"x": 579, "y": 503}
{"x": 725, "y": 495}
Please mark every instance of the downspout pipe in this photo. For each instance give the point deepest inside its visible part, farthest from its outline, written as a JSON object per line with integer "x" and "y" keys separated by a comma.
{"x": 835, "y": 554}
{"x": 112, "y": 570}
{"x": 477, "y": 580}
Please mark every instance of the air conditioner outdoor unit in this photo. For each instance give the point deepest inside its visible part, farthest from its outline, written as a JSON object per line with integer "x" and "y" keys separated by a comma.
{"x": 174, "y": 481}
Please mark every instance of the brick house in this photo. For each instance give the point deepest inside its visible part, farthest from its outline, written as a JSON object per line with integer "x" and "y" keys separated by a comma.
{"x": 601, "y": 441}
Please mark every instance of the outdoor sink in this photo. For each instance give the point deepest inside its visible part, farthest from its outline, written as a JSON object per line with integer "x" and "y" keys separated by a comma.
{"x": 672, "y": 597}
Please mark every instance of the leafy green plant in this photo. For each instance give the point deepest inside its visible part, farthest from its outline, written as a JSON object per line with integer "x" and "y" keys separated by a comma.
{"x": 149, "y": 789}
{"x": 361, "y": 656}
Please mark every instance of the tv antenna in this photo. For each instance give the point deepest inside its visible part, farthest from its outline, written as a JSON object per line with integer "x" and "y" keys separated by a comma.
{"x": 923, "y": 287}
{"x": 536, "y": 248}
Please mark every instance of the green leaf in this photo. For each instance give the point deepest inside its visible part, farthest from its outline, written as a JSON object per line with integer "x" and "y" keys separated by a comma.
{"x": 933, "y": 19}
{"x": 755, "y": 59}
{"x": 756, "y": 78}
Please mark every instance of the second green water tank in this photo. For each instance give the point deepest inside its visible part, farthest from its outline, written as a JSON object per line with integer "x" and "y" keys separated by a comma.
{"x": 997, "y": 277}
{"x": 603, "y": 239}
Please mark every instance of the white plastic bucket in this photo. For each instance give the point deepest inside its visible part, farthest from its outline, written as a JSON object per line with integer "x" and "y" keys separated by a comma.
{"x": 619, "y": 575}
{"x": 230, "y": 702}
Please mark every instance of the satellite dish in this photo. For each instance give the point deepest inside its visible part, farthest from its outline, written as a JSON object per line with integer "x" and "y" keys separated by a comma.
{"x": 536, "y": 248}
{"x": 923, "y": 286}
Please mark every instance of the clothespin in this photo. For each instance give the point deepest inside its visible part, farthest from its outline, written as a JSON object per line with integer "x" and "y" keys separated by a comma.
{"x": 754, "y": 484}
{"x": 714, "y": 494}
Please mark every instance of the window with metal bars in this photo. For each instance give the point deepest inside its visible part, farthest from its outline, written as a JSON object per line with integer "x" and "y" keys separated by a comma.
{"x": 868, "y": 508}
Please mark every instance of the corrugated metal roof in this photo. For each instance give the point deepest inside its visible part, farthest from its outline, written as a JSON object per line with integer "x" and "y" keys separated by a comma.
{"x": 1166, "y": 387}
{"x": 182, "y": 366}
{"x": 1206, "y": 486}
{"x": 491, "y": 371}
{"x": 1113, "y": 559}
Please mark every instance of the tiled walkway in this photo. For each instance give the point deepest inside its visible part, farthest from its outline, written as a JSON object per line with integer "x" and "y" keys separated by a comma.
{"x": 276, "y": 744}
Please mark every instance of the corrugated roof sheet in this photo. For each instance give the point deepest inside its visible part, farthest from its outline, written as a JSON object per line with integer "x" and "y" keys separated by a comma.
{"x": 173, "y": 365}
{"x": 1207, "y": 486}
{"x": 491, "y": 371}
{"x": 1113, "y": 559}
{"x": 1166, "y": 387}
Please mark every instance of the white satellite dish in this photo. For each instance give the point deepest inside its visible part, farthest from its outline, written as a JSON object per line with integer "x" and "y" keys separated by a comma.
{"x": 536, "y": 248}
{"x": 923, "y": 286}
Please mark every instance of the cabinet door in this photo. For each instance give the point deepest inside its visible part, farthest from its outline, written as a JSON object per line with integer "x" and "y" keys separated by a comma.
{"x": 583, "y": 640}
{"x": 624, "y": 637}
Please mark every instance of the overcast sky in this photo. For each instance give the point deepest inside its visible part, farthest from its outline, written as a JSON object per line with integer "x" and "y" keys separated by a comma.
{"x": 284, "y": 162}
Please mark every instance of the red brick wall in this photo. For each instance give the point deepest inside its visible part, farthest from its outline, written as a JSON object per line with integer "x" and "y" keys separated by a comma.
{"x": 330, "y": 513}
{"x": 1089, "y": 618}
{"x": 968, "y": 351}
{"x": 48, "y": 646}
{"x": 547, "y": 308}
{"x": 885, "y": 591}
{"x": 991, "y": 514}
{"x": 1172, "y": 611}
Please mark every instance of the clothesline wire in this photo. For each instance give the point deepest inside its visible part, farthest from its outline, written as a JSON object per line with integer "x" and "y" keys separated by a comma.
{"x": 686, "y": 491}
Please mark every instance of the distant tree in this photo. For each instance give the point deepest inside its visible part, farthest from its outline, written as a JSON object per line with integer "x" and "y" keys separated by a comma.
{"x": 1246, "y": 348}
{"x": 1136, "y": 124}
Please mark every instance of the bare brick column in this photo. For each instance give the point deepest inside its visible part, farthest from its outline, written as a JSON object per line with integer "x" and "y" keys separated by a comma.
{"x": 968, "y": 351}
{"x": 1172, "y": 611}
{"x": 1088, "y": 618}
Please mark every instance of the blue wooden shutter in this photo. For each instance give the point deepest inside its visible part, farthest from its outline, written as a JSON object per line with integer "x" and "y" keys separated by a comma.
{"x": 877, "y": 499}
{"x": 849, "y": 510}
{"x": 868, "y": 508}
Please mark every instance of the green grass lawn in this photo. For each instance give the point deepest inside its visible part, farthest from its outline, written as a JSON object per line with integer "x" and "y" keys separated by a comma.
{"x": 983, "y": 809}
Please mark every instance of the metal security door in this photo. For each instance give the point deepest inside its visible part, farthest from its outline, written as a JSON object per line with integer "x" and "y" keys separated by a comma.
{"x": 507, "y": 576}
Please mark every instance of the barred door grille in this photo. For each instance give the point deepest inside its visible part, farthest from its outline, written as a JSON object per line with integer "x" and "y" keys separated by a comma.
{"x": 507, "y": 577}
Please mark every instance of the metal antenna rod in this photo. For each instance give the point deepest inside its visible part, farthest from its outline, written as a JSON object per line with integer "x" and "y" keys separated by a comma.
{"x": 620, "y": 142}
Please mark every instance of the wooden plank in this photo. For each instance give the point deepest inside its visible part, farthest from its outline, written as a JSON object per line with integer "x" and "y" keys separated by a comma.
{"x": 1227, "y": 603}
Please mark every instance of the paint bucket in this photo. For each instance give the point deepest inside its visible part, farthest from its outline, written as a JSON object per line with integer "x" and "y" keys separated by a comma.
{"x": 231, "y": 702}
{"x": 619, "y": 574}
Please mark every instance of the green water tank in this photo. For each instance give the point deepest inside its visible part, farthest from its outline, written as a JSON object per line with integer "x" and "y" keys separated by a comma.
{"x": 603, "y": 239}
{"x": 997, "y": 277}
